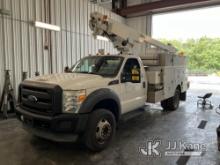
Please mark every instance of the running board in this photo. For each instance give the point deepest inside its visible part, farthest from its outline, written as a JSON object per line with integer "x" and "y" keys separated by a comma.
{"x": 127, "y": 116}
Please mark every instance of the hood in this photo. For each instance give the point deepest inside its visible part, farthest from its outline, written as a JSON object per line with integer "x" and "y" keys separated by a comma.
{"x": 72, "y": 81}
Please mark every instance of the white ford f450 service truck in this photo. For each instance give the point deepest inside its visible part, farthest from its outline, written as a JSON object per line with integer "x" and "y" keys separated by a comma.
{"x": 88, "y": 101}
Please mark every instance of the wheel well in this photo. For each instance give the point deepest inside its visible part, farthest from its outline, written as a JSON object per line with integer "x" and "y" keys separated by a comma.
{"x": 110, "y": 105}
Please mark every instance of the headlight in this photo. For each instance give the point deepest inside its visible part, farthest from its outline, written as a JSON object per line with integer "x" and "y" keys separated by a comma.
{"x": 72, "y": 100}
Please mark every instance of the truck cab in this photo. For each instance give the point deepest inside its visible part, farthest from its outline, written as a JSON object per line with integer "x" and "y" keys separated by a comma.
{"x": 116, "y": 73}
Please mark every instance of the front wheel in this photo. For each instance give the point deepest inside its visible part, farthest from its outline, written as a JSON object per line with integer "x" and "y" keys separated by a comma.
{"x": 100, "y": 130}
{"x": 173, "y": 102}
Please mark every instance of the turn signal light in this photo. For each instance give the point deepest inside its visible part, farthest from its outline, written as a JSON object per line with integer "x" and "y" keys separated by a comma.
{"x": 81, "y": 98}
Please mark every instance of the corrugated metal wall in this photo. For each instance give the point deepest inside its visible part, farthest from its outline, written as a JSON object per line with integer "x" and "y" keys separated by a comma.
{"x": 24, "y": 48}
{"x": 141, "y": 24}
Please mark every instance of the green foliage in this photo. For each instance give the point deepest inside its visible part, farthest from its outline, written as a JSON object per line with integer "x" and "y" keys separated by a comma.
{"x": 203, "y": 54}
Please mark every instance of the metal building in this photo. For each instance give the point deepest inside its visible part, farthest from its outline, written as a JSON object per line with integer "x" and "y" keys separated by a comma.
{"x": 25, "y": 48}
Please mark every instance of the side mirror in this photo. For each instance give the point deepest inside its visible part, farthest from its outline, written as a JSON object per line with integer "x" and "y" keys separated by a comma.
{"x": 127, "y": 77}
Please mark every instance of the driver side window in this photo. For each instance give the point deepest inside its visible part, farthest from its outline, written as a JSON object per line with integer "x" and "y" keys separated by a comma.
{"x": 131, "y": 71}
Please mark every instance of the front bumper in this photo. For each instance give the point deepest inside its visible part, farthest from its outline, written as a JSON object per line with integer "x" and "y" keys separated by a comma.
{"x": 63, "y": 127}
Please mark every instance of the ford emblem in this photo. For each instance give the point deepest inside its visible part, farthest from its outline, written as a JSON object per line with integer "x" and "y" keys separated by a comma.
{"x": 32, "y": 98}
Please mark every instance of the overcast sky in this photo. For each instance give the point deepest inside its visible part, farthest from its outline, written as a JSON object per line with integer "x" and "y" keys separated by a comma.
{"x": 188, "y": 24}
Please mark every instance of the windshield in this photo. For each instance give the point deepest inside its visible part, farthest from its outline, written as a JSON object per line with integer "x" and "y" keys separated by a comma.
{"x": 100, "y": 65}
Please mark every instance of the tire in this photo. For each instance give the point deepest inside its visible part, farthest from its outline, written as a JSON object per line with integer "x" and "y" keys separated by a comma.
{"x": 173, "y": 102}
{"x": 100, "y": 130}
{"x": 183, "y": 96}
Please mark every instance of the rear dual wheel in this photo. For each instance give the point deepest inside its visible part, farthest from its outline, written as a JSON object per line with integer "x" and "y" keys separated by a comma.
{"x": 173, "y": 102}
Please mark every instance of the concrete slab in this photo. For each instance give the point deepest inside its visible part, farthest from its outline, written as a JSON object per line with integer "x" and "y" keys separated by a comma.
{"x": 20, "y": 148}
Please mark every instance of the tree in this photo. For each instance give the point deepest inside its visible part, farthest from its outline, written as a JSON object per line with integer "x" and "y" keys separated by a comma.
{"x": 203, "y": 54}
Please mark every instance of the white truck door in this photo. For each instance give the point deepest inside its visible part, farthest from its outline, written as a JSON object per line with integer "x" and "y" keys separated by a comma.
{"x": 133, "y": 85}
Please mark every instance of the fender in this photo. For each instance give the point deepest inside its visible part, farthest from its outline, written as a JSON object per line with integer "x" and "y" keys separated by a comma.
{"x": 97, "y": 96}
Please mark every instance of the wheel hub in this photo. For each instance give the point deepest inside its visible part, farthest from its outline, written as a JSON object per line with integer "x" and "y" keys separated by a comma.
{"x": 103, "y": 130}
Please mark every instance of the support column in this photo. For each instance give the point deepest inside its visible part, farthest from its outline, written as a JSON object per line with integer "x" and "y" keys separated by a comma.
{"x": 148, "y": 28}
{"x": 149, "y": 25}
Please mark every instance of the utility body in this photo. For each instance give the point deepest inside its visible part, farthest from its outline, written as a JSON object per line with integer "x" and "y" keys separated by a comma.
{"x": 89, "y": 99}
